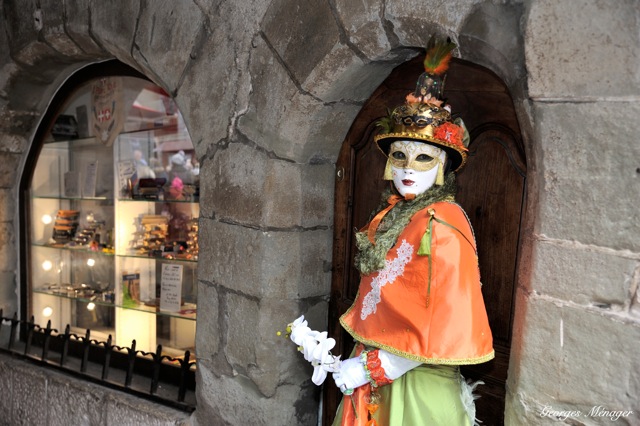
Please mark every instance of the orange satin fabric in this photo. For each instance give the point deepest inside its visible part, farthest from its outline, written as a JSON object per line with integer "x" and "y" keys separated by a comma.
{"x": 354, "y": 406}
{"x": 453, "y": 328}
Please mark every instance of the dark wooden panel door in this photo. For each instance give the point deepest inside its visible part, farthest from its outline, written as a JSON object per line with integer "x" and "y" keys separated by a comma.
{"x": 490, "y": 189}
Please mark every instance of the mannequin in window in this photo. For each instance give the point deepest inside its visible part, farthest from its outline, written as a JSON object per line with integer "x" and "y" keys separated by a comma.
{"x": 419, "y": 313}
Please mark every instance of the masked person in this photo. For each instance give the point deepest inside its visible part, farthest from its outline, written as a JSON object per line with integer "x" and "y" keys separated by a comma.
{"x": 419, "y": 313}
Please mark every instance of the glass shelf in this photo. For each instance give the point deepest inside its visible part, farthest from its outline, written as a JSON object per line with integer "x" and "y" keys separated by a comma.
{"x": 60, "y": 197}
{"x": 188, "y": 312}
{"x": 158, "y": 201}
{"x": 163, "y": 259}
{"x": 73, "y": 249}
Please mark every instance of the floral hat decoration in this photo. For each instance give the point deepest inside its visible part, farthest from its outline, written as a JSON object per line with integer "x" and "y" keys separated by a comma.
{"x": 425, "y": 117}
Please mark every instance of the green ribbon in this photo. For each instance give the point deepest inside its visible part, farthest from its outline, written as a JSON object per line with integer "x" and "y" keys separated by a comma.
{"x": 425, "y": 244}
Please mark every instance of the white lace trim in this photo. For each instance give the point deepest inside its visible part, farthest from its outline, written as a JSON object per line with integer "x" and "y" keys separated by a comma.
{"x": 392, "y": 270}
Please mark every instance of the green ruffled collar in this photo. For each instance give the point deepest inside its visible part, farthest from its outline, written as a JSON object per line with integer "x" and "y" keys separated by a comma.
{"x": 371, "y": 258}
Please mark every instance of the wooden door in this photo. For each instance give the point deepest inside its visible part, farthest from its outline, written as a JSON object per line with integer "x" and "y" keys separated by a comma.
{"x": 490, "y": 189}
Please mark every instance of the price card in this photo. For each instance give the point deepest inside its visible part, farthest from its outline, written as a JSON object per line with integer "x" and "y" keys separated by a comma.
{"x": 72, "y": 184}
{"x": 90, "y": 178}
{"x": 171, "y": 287}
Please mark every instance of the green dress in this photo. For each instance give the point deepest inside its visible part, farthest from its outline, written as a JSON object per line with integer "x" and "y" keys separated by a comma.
{"x": 427, "y": 395}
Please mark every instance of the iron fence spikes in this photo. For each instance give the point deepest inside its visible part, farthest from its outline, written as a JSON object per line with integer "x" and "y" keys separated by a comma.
{"x": 107, "y": 358}
{"x": 30, "y": 327}
{"x": 86, "y": 344}
{"x": 184, "y": 369}
{"x": 14, "y": 326}
{"x": 130, "y": 361}
{"x": 65, "y": 344}
{"x": 47, "y": 340}
{"x": 157, "y": 361}
{"x": 153, "y": 363}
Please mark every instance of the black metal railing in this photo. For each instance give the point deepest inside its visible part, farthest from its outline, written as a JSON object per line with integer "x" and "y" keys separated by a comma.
{"x": 152, "y": 375}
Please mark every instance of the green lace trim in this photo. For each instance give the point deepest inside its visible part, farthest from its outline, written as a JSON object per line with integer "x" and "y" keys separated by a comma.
{"x": 371, "y": 258}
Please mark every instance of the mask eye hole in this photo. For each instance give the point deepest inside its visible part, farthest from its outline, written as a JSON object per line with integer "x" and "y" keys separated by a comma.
{"x": 423, "y": 158}
{"x": 398, "y": 155}
{"x": 423, "y": 122}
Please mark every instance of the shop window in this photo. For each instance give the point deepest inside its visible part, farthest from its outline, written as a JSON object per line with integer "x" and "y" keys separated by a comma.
{"x": 110, "y": 201}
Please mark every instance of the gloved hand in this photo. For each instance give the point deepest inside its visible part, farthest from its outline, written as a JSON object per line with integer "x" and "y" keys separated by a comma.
{"x": 350, "y": 375}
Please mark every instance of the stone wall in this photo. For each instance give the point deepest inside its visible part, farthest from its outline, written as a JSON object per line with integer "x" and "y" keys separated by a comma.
{"x": 268, "y": 90}
{"x": 578, "y": 313}
{"x": 35, "y": 396}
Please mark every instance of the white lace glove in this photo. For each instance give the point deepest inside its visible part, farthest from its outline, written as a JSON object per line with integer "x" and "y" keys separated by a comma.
{"x": 350, "y": 375}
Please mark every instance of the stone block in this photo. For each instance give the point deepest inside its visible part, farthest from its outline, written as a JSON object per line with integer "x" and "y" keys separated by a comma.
{"x": 53, "y": 30}
{"x": 415, "y": 21}
{"x": 288, "y": 265}
{"x": 114, "y": 28}
{"x": 491, "y": 36}
{"x": 166, "y": 34}
{"x": 287, "y": 121}
{"x": 8, "y": 175}
{"x": 343, "y": 76}
{"x": 23, "y": 25}
{"x": 8, "y": 247}
{"x": 29, "y": 396}
{"x": 5, "y": 60}
{"x": 242, "y": 333}
{"x": 209, "y": 89}
{"x": 72, "y": 404}
{"x": 123, "y": 409}
{"x": 583, "y": 49}
{"x": 209, "y": 325}
{"x": 253, "y": 347}
{"x": 562, "y": 343}
{"x": 42, "y": 396}
{"x": 276, "y": 357}
{"x": 317, "y": 190}
{"x": 8, "y": 293}
{"x": 17, "y": 121}
{"x": 363, "y": 23}
{"x": 582, "y": 275}
{"x": 77, "y": 25}
{"x": 13, "y": 143}
{"x": 8, "y": 207}
{"x": 590, "y": 173}
{"x": 6, "y": 388}
{"x": 249, "y": 187}
{"x": 224, "y": 400}
{"x": 302, "y": 34}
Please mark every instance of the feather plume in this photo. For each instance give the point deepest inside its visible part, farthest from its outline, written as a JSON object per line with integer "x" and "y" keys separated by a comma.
{"x": 438, "y": 56}
{"x": 386, "y": 123}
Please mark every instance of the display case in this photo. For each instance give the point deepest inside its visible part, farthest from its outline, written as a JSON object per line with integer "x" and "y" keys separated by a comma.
{"x": 114, "y": 225}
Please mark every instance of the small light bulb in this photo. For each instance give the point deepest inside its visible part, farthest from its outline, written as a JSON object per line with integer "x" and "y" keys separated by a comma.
{"x": 91, "y": 306}
{"x": 47, "y": 265}
{"x": 46, "y": 219}
{"x": 91, "y": 262}
{"x": 47, "y": 311}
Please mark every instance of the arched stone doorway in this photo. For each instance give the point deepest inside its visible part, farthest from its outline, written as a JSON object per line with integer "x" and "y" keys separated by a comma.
{"x": 491, "y": 189}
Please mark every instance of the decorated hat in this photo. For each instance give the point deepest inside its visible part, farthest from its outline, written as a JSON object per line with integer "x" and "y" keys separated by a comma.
{"x": 425, "y": 117}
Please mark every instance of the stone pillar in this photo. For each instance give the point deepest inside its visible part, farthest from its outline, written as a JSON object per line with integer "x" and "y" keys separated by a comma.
{"x": 578, "y": 319}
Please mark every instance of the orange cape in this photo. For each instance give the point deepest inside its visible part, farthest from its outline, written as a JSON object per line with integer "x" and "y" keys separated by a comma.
{"x": 444, "y": 323}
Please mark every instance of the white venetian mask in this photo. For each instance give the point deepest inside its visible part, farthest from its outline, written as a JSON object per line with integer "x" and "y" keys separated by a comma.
{"x": 414, "y": 166}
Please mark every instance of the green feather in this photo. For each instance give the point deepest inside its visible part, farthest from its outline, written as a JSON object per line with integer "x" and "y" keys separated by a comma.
{"x": 436, "y": 52}
{"x": 386, "y": 123}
